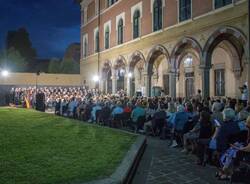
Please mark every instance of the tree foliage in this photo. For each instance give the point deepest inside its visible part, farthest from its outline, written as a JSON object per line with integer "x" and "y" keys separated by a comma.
{"x": 69, "y": 66}
{"x": 12, "y": 60}
{"x": 54, "y": 65}
{"x": 20, "y": 41}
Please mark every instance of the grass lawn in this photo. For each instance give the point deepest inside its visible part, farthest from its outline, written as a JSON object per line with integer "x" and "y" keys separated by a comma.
{"x": 45, "y": 149}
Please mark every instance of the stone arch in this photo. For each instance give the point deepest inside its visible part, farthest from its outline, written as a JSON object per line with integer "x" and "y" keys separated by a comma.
{"x": 120, "y": 61}
{"x": 134, "y": 59}
{"x": 187, "y": 78}
{"x": 120, "y": 70}
{"x": 235, "y": 42}
{"x": 106, "y": 67}
{"x": 181, "y": 46}
{"x": 106, "y": 73}
{"x": 234, "y": 36}
{"x": 157, "y": 67}
{"x": 153, "y": 54}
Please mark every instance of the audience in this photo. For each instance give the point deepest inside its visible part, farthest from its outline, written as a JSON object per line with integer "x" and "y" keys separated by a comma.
{"x": 211, "y": 128}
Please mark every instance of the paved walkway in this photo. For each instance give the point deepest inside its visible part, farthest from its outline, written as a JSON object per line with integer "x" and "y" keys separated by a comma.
{"x": 163, "y": 165}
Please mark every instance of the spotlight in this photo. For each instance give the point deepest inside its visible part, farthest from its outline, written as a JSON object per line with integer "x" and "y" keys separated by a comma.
{"x": 5, "y": 73}
{"x": 96, "y": 78}
{"x": 129, "y": 74}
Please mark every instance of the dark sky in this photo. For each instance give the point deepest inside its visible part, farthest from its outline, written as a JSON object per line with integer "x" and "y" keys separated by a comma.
{"x": 52, "y": 24}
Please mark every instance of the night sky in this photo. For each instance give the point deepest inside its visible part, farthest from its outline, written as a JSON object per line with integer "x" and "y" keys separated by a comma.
{"x": 52, "y": 24}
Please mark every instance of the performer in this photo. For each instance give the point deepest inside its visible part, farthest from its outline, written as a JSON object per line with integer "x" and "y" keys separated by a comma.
{"x": 244, "y": 94}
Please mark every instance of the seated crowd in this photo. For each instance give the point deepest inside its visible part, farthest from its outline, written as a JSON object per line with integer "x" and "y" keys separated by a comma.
{"x": 216, "y": 130}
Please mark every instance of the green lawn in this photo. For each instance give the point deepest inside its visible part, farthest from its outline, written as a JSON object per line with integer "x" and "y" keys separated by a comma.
{"x": 40, "y": 148}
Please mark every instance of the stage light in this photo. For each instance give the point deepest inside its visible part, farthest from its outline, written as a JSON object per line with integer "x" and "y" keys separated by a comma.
{"x": 129, "y": 74}
{"x": 96, "y": 78}
{"x": 5, "y": 73}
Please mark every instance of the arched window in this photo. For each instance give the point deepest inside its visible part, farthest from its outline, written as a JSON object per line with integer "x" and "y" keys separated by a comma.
{"x": 120, "y": 31}
{"x": 184, "y": 10}
{"x": 136, "y": 24}
{"x": 157, "y": 15}
{"x": 107, "y": 37}
{"x": 97, "y": 41}
{"x": 188, "y": 62}
{"x": 111, "y": 2}
{"x": 221, "y": 3}
{"x": 85, "y": 47}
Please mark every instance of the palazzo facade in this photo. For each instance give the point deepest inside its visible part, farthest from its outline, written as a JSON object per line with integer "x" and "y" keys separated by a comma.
{"x": 178, "y": 46}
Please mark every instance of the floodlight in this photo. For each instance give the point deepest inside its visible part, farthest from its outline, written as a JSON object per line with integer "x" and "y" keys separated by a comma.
{"x": 129, "y": 74}
{"x": 5, "y": 73}
{"x": 96, "y": 78}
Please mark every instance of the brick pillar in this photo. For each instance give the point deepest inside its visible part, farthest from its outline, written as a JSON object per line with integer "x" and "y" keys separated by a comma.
{"x": 205, "y": 81}
{"x": 172, "y": 84}
{"x": 147, "y": 80}
{"x": 114, "y": 81}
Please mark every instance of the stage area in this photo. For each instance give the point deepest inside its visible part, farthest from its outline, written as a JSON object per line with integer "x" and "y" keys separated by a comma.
{"x": 43, "y": 148}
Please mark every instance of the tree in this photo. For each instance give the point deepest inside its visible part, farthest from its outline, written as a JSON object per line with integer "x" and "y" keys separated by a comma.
{"x": 54, "y": 65}
{"x": 69, "y": 66}
{"x": 12, "y": 60}
{"x": 20, "y": 41}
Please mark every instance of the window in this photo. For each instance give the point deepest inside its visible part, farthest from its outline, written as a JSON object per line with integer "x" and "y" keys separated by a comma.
{"x": 82, "y": 17}
{"x": 188, "y": 62}
{"x": 120, "y": 31}
{"x": 184, "y": 10}
{"x": 107, "y": 37}
{"x": 136, "y": 24}
{"x": 111, "y": 2}
{"x": 97, "y": 41}
{"x": 85, "y": 47}
{"x": 157, "y": 15}
{"x": 221, "y": 3}
{"x": 219, "y": 82}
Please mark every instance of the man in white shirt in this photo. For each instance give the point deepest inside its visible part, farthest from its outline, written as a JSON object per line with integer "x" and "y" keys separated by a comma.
{"x": 244, "y": 95}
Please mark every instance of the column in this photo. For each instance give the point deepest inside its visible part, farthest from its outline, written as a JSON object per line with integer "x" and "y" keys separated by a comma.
{"x": 101, "y": 83}
{"x": 128, "y": 85}
{"x": 114, "y": 81}
{"x": 205, "y": 81}
{"x": 147, "y": 80}
{"x": 172, "y": 84}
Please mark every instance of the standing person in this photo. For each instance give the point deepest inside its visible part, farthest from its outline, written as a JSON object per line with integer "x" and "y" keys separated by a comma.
{"x": 40, "y": 101}
{"x": 244, "y": 94}
{"x": 198, "y": 96}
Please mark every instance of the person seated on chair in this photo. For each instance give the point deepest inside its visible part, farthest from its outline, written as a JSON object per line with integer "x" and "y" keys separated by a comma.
{"x": 105, "y": 114}
{"x": 117, "y": 113}
{"x": 179, "y": 121}
{"x": 136, "y": 113}
{"x": 95, "y": 108}
{"x": 242, "y": 153}
{"x": 117, "y": 109}
{"x": 229, "y": 127}
{"x": 159, "y": 119}
{"x": 205, "y": 134}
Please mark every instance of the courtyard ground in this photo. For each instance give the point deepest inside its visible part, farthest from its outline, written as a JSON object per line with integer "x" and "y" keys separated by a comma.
{"x": 42, "y": 148}
{"x": 161, "y": 164}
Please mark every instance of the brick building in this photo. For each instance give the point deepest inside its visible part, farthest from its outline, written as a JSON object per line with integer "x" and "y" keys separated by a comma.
{"x": 176, "y": 45}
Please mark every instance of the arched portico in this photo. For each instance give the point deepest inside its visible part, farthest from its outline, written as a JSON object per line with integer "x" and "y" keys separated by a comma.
{"x": 186, "y": 59}
{"x": 223, "y": 55}
{"x": 136, "y": 74}
{"x": 119, "y": 74}
{"x": 106, "y": 73}
{"x": 157, "y": 68}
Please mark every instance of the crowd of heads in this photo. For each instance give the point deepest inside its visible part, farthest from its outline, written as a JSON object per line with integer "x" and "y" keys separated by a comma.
{"x": 207, "y": 127}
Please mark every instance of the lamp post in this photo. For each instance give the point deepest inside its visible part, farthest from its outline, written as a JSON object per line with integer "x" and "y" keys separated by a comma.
{"x": 37, "y": 74}
{"x": 4, "y": 74}
{"x": 96, "y": 79}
